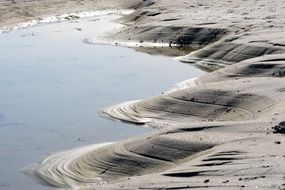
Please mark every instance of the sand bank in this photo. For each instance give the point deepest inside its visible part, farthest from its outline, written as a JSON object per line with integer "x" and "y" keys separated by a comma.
{"x": 223, "y": 131}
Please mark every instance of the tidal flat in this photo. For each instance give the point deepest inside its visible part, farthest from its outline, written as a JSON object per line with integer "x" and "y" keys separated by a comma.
{"x": 53, "y": 85}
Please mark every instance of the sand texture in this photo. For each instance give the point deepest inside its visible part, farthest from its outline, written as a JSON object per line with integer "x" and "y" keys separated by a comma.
{"x": 240, "y": 29}
{"x": 224, "y": 130}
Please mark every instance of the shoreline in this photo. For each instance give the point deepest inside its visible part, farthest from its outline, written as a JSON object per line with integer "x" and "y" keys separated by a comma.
{"x": 214, "y": 131}
{"x": 61, "y": 18}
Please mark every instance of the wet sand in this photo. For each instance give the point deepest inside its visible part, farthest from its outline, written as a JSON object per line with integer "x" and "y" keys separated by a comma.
{"x": 224, "y": 130}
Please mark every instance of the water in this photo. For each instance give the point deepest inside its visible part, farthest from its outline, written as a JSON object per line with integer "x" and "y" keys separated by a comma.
{"x": 52, "y": 86}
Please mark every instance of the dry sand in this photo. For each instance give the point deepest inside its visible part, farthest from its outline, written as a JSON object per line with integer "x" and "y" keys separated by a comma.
{"x": 224, "y": 130}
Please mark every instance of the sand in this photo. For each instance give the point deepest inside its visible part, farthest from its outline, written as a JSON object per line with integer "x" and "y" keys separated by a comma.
{"x": 224, "y": 130}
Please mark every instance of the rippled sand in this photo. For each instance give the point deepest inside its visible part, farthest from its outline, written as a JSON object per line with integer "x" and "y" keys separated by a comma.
{"x": 70, "y": 168}
{"x": 214, "y": 131}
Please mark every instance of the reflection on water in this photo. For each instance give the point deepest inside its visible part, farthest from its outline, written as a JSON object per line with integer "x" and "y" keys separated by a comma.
{"x": 171, "y": 51}
{"x": 52, "y": 86}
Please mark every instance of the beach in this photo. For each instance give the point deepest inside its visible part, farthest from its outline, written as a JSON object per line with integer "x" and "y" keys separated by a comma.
{"x": 222, "y": 130}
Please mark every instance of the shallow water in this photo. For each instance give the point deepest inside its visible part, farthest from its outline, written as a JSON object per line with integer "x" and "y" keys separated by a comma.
{"x": 52, "y": 86}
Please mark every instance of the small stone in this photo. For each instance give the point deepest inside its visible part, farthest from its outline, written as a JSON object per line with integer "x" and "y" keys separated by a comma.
{"x": 207, "y": 181}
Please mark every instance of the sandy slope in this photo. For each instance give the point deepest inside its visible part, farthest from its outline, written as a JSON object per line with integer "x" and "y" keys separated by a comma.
{"x": 242, "y": 29}
{"x": 221, "y": 131}
{"x": 235, "y": 108}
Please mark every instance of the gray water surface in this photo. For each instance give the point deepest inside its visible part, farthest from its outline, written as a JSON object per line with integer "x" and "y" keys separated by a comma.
{"x": 52, "y": 86}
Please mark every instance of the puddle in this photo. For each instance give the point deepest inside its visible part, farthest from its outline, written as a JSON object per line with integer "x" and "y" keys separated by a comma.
{"x": 52, "y": 86}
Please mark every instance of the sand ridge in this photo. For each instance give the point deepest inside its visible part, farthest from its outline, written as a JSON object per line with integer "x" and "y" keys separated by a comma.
{"x": 240, "y": 29}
